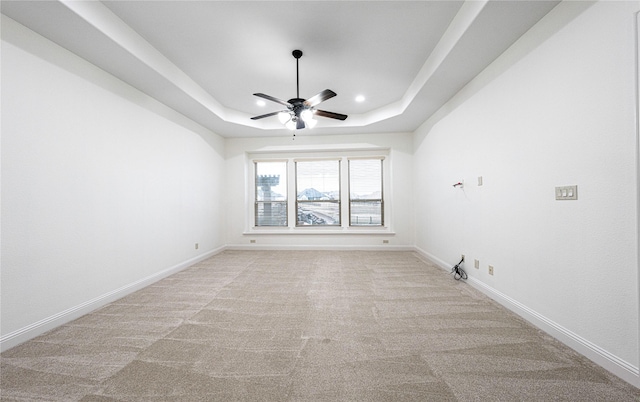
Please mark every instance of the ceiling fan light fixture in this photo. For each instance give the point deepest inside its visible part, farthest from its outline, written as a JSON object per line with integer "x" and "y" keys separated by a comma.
{"x": 284, "y": 117}
{"x": 291, "y": 125}
{"x": 311, "y": 123}
{"x": 307, "y": 115}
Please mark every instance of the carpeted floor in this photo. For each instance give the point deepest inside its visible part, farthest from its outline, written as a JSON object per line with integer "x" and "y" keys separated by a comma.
{"x": 304, "y": 326}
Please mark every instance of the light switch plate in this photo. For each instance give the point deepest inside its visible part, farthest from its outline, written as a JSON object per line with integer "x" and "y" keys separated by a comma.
{"x": 567, "y": 193}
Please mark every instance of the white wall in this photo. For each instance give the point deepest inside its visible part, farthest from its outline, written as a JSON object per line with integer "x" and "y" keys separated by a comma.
{"x": 103, "y": 189}
{"x": 556, "y": 109}
{"x": 400, "y": 201}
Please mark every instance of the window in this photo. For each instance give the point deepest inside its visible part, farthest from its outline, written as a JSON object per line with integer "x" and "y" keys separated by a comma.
{"x": 366, "y": 207}
{"x": 271, "y": 193}
{"x": 318, "y": 192}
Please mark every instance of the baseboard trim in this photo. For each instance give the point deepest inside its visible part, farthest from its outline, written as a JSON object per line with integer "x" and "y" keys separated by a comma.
{"x": 255, "y": 246}
{"x": 37, "y": 328}
{"x": 603, "y": 358}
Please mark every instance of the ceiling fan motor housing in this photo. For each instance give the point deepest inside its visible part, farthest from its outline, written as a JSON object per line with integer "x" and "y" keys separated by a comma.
{"x": 297, "y": 105}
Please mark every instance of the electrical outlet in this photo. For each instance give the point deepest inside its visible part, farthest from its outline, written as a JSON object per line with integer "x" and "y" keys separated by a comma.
{"x": 252, "y": 241}
{"x": 476, "y": 264}
{"x": 490, "y": 269}
{"x": 385, "y": 242}
{"x": 196, "y": 246}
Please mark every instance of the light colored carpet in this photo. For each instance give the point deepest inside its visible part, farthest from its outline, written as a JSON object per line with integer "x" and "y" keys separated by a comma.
{"x": 304, "y": 326}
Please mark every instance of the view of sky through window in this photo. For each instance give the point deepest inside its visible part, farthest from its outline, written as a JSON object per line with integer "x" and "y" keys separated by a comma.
{"x": 318, "y": 176}
{"x": 278, "y": 186}
{"x": 365, "y": 179}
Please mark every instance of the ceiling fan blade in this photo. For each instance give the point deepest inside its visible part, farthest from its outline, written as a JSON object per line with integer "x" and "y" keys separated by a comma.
{"x": 272, "y": 99}
{"x": 321, "y": 97}
{"x": 262, "y": 116}
{"x": 331, "y": 115}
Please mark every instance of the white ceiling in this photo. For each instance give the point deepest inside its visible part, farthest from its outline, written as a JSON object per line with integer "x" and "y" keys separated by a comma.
{"x": 205, "y": 59}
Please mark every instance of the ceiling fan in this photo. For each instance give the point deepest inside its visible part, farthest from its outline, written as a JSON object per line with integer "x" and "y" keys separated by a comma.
{"x": 299, "y": 113}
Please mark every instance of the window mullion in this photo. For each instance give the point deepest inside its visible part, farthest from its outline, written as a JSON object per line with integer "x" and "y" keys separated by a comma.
{"x": 344, "y": 189}
{"x": 293, "y": 199}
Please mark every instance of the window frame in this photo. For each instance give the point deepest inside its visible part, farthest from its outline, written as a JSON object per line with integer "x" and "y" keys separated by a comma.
{"x": 339, "y": 201}
{"x": 291, "y": 155}
{"x": 258, "y": 202}
{"x": 381, "y": 199}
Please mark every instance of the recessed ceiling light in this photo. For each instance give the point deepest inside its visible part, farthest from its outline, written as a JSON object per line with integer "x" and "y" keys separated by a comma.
{"x": 260, "y": 102}
{"x": 360, "y": 98}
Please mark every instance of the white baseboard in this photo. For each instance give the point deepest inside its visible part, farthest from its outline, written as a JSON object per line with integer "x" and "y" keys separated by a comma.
{"x": 610, "y": 362}
{"x": 37, "y": 328}
{"x": 255, "y": 246}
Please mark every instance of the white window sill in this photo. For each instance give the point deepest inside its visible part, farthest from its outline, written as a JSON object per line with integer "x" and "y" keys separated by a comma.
{"x": 316, "y": 230}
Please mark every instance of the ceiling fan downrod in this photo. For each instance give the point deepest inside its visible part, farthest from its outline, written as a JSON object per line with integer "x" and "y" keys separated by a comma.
{"x": 297, "y": 54}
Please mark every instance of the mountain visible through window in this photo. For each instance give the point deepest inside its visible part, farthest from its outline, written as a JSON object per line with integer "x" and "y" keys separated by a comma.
{"x": 318, "y": 192}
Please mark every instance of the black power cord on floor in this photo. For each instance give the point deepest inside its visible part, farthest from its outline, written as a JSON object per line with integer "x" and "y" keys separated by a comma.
{"x": 458, "y": 272}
